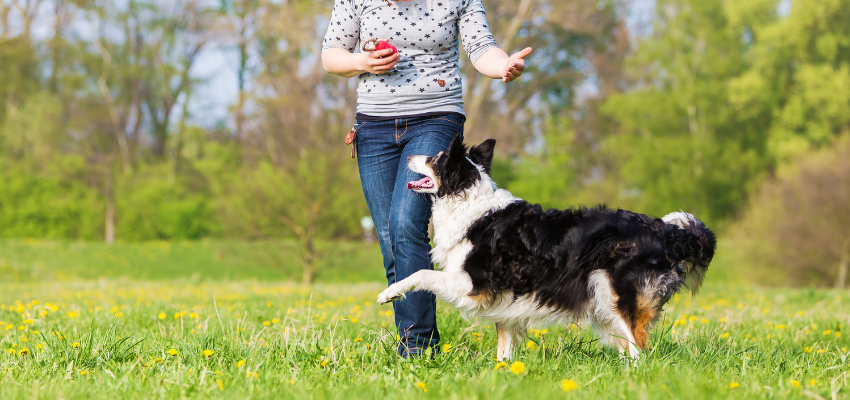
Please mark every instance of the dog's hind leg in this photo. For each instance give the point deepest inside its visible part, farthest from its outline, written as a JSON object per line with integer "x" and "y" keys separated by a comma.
{"x": 449, "y": 287}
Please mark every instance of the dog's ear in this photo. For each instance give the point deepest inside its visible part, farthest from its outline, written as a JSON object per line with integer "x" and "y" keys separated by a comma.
{"x": 457, "y": 151}
{"x": 483, "y": 154}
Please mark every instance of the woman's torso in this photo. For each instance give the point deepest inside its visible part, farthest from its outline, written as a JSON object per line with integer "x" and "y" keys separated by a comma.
{"x": 427, "y": 78}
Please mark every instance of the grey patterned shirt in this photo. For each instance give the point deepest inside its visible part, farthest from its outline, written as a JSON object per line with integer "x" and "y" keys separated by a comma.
{"x": 427, "y": 77}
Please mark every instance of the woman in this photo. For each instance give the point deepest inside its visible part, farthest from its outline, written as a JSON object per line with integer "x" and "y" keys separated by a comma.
{"x": 409, "y": 103}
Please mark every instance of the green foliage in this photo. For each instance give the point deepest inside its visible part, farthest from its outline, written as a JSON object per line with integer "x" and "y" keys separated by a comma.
{"x": 679, "y": 145}
{"x": 33, "y": 206}
{"x": 546, "y": 176}
{"x": 154, "y": 208}
{"x": 797, "y": 82}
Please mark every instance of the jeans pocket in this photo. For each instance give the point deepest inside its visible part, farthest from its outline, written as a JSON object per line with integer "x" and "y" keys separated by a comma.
{"x": 454, "y": 119}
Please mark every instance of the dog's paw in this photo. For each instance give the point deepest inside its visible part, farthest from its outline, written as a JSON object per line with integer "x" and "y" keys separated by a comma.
{"x": 390, "y": 294}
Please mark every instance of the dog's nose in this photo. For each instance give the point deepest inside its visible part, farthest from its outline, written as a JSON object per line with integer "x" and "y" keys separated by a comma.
{"x": 410, "y": 158}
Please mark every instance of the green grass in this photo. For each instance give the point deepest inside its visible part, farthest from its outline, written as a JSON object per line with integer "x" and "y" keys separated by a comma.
{"x": 332, "y": 341}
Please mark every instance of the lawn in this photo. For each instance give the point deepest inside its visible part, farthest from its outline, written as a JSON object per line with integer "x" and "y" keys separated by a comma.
{"x": 249, "y": 334}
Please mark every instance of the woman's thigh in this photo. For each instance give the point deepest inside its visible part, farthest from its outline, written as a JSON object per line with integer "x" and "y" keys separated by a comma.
{"x": 410, "y": 210}
{"x": 378, "y": 157}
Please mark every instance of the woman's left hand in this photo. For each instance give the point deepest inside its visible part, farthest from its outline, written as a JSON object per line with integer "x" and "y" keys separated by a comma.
{"x": 515, "y": 65}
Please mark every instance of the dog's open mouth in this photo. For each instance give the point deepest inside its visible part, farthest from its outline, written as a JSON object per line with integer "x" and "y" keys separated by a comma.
{"x": 424, "y": 183}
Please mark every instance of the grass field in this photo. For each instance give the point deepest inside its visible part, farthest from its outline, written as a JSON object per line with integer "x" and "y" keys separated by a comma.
{"x": 247, "y": 334}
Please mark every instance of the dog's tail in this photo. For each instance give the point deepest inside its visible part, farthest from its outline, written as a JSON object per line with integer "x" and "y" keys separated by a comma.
{"x": 694, "y": 246}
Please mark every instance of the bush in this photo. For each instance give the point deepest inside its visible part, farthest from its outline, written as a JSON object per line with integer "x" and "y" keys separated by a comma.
{"x": 796, "y": 230}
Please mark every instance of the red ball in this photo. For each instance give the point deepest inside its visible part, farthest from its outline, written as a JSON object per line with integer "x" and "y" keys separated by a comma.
{"x": 385, "y": 44}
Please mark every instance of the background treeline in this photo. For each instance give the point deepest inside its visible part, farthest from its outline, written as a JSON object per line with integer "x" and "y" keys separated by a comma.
{"x": 733, "y": 110}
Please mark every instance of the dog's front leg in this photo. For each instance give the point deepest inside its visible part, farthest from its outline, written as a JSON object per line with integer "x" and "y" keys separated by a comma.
{"x": 449, "y": 287}
{"x": 506, "y": 340}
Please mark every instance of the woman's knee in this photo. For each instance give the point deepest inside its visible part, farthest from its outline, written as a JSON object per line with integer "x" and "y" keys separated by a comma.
{"x": 406, "y": 227}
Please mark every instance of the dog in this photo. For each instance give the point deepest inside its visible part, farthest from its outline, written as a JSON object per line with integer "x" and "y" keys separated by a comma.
{"x": 511, "y": 262}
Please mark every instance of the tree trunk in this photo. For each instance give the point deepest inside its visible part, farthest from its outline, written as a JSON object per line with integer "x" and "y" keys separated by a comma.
{"x": 309, "y": 260}
{"x": 109, "y": 233}
{"x": 841, "y": 282}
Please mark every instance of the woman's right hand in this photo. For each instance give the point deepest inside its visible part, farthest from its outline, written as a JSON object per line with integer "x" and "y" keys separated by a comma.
{"x": 379, "y": 61}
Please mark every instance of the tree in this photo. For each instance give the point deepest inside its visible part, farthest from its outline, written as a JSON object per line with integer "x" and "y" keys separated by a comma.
{"x": 677, "y": 144}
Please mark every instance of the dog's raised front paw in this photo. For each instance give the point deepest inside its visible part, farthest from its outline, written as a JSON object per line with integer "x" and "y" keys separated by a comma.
{"x": 388, "y": 295}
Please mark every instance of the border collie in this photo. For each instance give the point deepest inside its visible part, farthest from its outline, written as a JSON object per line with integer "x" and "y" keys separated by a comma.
{"x": 517, "y": 265}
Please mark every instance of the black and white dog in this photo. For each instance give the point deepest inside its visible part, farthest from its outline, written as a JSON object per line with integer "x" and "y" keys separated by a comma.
{"x": 511, "y": 262}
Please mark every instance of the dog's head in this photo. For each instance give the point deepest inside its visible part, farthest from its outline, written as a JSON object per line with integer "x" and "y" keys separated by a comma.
{"x": 455, "y": 171}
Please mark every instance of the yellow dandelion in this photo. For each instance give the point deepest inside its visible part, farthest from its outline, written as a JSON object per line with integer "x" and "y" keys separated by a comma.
{"x": 820, "y": 351}
{"x": 517, "y": 367}
{"x": 733, "y": 385}
{"x": 266, "y": 323}
{"x": 75, "y": 345}
{"x": 23, "y": 352}
{"x": 172, "y": 352}
{"x": 843, "y": 349}
{"x": 177, "y": 315}
{"x": 723, "y": 320}
{"x": 704, "y": 320}
{"x": 780, "y": 326}
{"x": 28, "y": 322}
{"x": 421, "y": 385}
{"x": 269, "y": 304}
{"x": 39, "y": 346}
{"x": 220, "y": 384}
{"x": 193, "y": 315}
{"x": 838, "y": 334}
{"x": 325, "y": 361}
{"x": 500, "y": 365}
{"x": 795, "y": 383}
{"x": 808, "y": 349}
{"x": 813, "y": 382}
{"x": 73, "y": 314}
{"x": 356, "y": 340}
{"x": 569, "y": 385}
{"x": 447, "y": 348}
{"x": 161, "y": 315}
{"x": 274, "y": 321}
{"x": 208, "y": 353}
{"x": 801, "y": 313}
{"x": 692, "y": 319}
{"x": 724, "y": 335}
{"x": 83, "y": 373}
{"x": 827, "y": 332}
{"x": 240, "y": 363}
{"x": 530, "y": 345}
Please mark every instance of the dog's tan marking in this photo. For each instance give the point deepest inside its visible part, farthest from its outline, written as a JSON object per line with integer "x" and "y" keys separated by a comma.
{"x": 481, "y": 297}
{"x": 645, "y": 314}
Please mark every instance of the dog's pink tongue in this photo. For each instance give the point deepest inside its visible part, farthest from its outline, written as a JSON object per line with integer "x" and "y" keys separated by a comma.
{"x": 418, "y": 184}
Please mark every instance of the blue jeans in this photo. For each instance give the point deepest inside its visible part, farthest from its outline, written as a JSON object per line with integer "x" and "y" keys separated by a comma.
{"x": 401, "y": 215}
